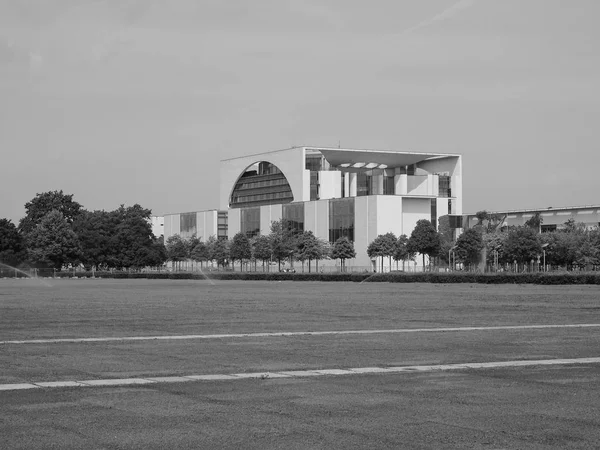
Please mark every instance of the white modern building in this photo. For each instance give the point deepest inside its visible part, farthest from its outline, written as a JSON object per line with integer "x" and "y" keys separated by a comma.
{"x": 332, "y": 192}
{"x": 158, "y": 225}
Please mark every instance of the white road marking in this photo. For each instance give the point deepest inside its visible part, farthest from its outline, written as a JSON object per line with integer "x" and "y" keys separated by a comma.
{"x": 301, "y": 373}
{"x": 296, "y": 333}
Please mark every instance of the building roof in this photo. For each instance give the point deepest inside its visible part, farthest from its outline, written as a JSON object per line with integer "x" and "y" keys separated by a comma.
{"x": 347, "y": 157}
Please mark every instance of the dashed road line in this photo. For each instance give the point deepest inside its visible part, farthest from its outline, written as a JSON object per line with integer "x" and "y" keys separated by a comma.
{"x": 294, "y": 333}
{"x": 297, "y": 374}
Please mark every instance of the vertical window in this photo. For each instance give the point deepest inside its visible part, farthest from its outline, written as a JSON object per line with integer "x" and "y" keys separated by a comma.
{"x": 187, "y": 224}
{"x": 444, "y": 186}
{"x": 341, "y": 219}
{"x": 293, "y": 213}
{"x": 250, "y": 221}
{"x": 222, "y": 225}
{"x": 388, "y": 185}
{"x": 363, "y": 184}
{"x": 434, "y": 212}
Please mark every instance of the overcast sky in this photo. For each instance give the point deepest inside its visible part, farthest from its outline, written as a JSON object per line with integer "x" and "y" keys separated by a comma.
{"x": 136, "y": 101}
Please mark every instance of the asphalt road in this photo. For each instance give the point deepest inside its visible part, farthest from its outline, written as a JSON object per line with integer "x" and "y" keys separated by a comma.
{"x": 515, "y": 407}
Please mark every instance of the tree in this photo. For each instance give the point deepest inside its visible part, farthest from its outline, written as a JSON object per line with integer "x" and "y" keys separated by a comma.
{"x": 11, "y": 244}
{"x": 535, "y": 222}
{"x": 45, "y": 202}
{"x": 522, "y": 245}
{"x": 401, "y": 252}
{"x": 156, "y": 253}
{"x": 176, "y": 249}
{"x": 262, "y": 249}
{"x": 494, "y": 245}
{"x": 94, "y": 231}
{"x": 382, "y": 246}
{"x": 282, "y": 240}
{"x": 343, "y": 249}
{"x": 309, "y": 248}
{"x": 424, "y": 239}
{"x": 200, "y": 253}
{"x": 221, "y": 251}
{"x": 52, "y": 243}
{"x": 240, "y": 249}
{"x": 469, "y": 246}
{"x": 133, "y": 238}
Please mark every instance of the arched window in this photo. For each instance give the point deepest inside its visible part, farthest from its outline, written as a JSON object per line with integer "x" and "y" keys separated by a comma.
{"x": 261, "y": 184}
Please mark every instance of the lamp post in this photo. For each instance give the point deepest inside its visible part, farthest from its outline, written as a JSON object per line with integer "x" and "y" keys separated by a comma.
{"x": 450, "y": 258}
{"x": 544, "y": 252}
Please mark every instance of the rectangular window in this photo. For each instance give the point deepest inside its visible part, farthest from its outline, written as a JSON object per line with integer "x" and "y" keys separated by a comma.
{"x": 222, "y": 224}
{"x": 187, "y": 224}
{"x": 293, "y": 213}
{"x": 341, "y": 219}
{"x": 250, "y": 221}
{"x": 363, "y": 184}
{"x": 388, "y": 185}
{"x": 456, "y": 222}
{"x": 444, "y": 186}
{"x": 547, "y": 228}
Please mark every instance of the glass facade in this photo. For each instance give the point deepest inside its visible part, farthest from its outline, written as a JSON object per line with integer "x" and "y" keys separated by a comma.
{"x": 363, "y": 184}
{"x": 293, "y": 213}
{"x": 250, "y": 221}
{"x": 388, "y": 185}
{"x": 341, "y": 219}
{"x": 222, "y": 225}
{"x": 263, "y": 185}
{"x": 444, "y": 186}
{"x": 187, "y": 224}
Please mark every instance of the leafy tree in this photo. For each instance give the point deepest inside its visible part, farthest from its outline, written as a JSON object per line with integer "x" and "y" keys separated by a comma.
{"x": 282, "y": 239}
{"x": 424, "y": 239}
{"x": 200, "y": 253}
{"x": 45, "y": 202}
{"x": 309, "y": 248}
{"x": 382, "y": 246}
{"x": 494, "y": 245}
{"x": 133, "y": 236}
{"x": 343, "y": 249}
{"x": 481, "y": 216}
{"x": 239, "y": 248}
{"x": 52, "y": 243}
{"x": 262, "y": 249}
{"x": 221, "y": 251}
{"x": 11, "y": 244}
{"x": 156, "y": 253}
{"x": 176, "y": 249}
{"x": 522, "y": 245}
{"x": 469, "y": 246}
{"x": 94, "y": 231}
{"x": 535, "y": 222}
{"x": 401, "y": 252}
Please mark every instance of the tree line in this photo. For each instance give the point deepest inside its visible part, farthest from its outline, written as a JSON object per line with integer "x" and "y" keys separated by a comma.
{"x": 58, "y": 232}
{"x": 282, "y": 245}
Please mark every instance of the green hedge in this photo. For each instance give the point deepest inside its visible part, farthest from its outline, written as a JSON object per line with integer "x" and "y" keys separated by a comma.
{"x": 427, "y": 277}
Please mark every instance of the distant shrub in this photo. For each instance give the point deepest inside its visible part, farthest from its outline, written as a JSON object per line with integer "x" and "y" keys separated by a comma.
{"x": 562, "y": 278}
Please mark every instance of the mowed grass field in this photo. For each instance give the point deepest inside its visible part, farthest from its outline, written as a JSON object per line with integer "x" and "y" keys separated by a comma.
{"x": 154, "y": 328}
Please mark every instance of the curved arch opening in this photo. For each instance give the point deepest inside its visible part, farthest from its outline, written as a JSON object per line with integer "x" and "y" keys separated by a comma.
{"x": 262, "y": 183}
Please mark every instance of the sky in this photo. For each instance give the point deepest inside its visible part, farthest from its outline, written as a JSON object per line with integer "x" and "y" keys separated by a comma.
{"x": 137, "y": 101}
